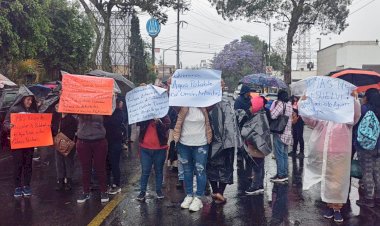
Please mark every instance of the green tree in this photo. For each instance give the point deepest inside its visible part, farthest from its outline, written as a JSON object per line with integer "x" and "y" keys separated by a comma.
{"x": 105, "y": 8}
{"x": 138, "y": 67}
{"x": 23, "y": 25}
{"x": 292, "y": 15}
{"x": 70, "y": 42}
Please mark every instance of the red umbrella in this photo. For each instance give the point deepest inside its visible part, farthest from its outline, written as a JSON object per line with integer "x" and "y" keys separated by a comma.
{"x": 363, "y": 79}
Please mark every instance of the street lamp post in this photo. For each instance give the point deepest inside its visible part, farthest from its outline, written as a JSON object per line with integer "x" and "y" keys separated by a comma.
{"x": 163, "y": 60}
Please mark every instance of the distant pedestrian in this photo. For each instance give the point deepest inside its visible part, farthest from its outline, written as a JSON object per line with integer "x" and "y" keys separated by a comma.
{"x": 282, "y": 141}
{"x": 92, "y": 148}
{"x": 220, "y": 164}
{"x": 66, "y": 124}
{"x": 114, "y": 134}
{"x": 153, "y": 141}
{"x": 369, "y": 159}
{"x": 297, "y": 132}
{"x": 22, "y": 158}
{"x": 193, "y": 134}
{"x": 329, "y": 161}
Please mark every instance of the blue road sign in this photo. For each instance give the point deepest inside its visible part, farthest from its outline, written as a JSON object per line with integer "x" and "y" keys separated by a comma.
{"x": 153, "y": 27}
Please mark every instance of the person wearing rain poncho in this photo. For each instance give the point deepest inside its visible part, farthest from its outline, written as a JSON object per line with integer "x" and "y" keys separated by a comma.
{"x": 329, "y": 160}
{"x": 225, "y": 140}
{"x": 22, "y": 158}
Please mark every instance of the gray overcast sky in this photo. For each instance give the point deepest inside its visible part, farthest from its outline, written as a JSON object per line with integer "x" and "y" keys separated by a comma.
{"x": 207, "y": 32}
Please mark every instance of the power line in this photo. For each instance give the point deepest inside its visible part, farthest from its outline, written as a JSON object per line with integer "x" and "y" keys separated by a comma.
{"x": 211, "y": 32}
{"x": 362, "y": 7}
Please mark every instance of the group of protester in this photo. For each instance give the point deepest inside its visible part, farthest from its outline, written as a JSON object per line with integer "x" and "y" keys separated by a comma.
{"x": 201, "y": 142}
{"x": 98, "y": 144}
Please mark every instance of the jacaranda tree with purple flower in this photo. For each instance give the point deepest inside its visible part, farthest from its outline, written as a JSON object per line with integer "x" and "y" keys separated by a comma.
{"x": 236, "y": 60}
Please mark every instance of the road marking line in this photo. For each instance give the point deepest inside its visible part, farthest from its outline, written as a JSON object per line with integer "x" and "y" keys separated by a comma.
{"x": 107, "y": 210}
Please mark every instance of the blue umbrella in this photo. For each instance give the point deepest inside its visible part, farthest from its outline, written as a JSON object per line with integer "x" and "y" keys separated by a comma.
{"x": 39, "y": 91}
{"x": 263, "y": 80}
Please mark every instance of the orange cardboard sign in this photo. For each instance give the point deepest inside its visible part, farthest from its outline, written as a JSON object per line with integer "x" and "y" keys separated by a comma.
{"x": 86, "y": 95}
{"x": 30, "y": 130}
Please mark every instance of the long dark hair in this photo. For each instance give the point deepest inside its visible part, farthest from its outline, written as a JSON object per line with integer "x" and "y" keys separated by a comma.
{"x": 373, "y": 100}
{"x": 283, "y": 96}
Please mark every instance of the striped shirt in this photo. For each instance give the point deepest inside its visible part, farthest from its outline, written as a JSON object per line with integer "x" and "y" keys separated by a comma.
{"x": 278, "y": 110}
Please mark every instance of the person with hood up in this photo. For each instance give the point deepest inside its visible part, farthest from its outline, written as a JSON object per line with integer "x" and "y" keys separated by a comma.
{"x": 22, "y": 158}
{"x": 329, "y": 160}
{"x": 226, "y": 139}
{"x": 114, "y": 135}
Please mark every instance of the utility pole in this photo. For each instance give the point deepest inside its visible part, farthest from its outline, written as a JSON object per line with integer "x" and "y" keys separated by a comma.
{"x": 270, "y": 37}
{"x": 319, "y": 43}
{"x": 178, "y": 23}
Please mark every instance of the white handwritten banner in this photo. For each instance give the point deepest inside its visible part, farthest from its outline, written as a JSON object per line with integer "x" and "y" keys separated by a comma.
{"x": 327, "y": 99}
{"x": 146, "y": 102}
{"x": 195, "y": 88}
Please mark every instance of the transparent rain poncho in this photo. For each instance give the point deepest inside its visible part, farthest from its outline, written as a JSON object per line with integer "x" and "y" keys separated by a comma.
{"x": 329, "y": 158}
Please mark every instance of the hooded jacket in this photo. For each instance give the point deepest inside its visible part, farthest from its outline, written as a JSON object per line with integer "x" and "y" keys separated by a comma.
{"x": 243, "y": 102}
{"x": 18, "y": 106}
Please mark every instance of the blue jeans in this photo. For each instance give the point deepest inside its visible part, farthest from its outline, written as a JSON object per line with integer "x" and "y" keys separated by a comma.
{"x": 194, "y": 157}
{"x": 281, "y": 153}
{"x": 181, "y": 172}
{"x": 148, "y": 159}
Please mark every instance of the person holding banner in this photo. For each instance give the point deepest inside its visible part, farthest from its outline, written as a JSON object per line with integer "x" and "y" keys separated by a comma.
{"x": 92, "y": 148}
{"x": 193, "y": 134}
{"x": 153, "y": 141}
{"x": 22, "y": 158}
{"x": 222, "y": 152}
{"x": 329, "y": 160}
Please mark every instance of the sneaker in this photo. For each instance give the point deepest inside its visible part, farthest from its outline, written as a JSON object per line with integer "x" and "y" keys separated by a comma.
{"x": 329, "y": 213}
{"x": 196, "y": 205}
{"x": 104, "y": 197}
{"x": 83, "y": 198}
{"x": 26, "y": 191}
{"x": 254, "y": 190}
{"x": 18, "y": 192}
{"x": 274, "y": 177}
{"x": 160, "y": 195}
{"x": 338, "y": 218}
{"x": 114, "y": 190}
{"x": 141, "y": 196}
{"x": 280, "y": 179}
{"x": 301, "y": 155}
{"x": 370, "y": 203}
{"x": 187, "y": 202}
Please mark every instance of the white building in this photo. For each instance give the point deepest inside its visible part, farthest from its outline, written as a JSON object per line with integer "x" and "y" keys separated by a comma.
{"x": 352, "y": 54}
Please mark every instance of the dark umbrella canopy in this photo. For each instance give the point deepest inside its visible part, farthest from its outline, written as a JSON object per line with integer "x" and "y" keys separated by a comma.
{"x": 264, "y": 80}
{"x": 39, "y": 91}
{"x": 124, "y": 84}
{"x": 363, "y": 79}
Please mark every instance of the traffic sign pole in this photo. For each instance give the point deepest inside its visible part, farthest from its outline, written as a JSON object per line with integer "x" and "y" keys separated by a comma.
{"x": 153, "y": 53}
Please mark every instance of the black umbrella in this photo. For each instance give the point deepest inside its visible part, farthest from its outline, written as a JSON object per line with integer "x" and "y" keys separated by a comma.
{"x": 124, "y": 84}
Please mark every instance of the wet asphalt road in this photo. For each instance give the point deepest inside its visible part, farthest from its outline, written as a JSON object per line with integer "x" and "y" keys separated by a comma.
{"x": 284, "y": 204}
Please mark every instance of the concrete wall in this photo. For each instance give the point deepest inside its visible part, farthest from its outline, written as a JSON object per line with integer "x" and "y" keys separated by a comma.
{"x": 327, "y": 59}
{"x": 353, "y": 54}
{"x": 299, "y": 75}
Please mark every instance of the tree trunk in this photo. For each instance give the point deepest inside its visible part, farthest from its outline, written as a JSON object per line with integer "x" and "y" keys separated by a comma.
{"x": 94, "y": 23}
{"x": 288, "y": 58}
{"x": 106, "y": 58}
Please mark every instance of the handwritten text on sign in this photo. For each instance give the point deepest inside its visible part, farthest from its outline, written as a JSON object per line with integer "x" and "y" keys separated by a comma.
{"x": 31, "y": 130}
{"x": 328, "y": 99}
{"x": 195, "y": 88}
{"x": 146, "y": 102}
{"x": 86, "y": 95}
